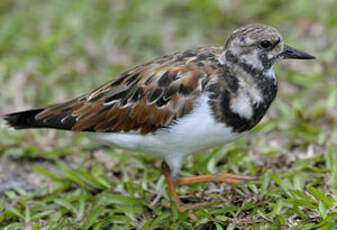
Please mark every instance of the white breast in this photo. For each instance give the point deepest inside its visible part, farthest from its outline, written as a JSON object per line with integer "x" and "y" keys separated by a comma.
{"x": 242, "y": 106}
{"x": 192, "y": 133}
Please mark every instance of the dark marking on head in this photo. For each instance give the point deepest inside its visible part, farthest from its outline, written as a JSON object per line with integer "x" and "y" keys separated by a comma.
{"x": 266, "y": 63}
{"x": 250, "y": 69}
{"x": 246, "y": 67}
{"x": 277, "y": 42}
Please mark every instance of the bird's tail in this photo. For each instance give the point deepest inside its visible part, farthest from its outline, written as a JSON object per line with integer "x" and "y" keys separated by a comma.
{"x": 29, "y": 119}
{"x": 21, "y": 120}
{"x": 57, "y": 116}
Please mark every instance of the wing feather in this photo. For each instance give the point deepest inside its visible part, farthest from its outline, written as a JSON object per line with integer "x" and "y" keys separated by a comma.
{"x": 144, "y": 99}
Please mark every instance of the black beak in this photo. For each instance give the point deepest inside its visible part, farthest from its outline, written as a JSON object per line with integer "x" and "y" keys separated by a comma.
{"x": 291, "y": 53}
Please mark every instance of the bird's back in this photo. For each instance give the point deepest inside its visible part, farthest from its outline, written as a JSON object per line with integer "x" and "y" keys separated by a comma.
{"x": 146, "y": 98}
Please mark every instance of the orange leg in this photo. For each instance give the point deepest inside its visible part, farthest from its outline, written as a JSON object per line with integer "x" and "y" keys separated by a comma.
{"x": 175, "y": 198}
{"x": 217, "y": 178}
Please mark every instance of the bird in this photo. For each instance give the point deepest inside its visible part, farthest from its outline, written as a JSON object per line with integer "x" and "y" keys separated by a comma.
{"x": 178, "y": 104}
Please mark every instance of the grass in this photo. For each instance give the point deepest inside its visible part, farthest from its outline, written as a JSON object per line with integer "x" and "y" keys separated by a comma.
{"x": 54, "y": 50}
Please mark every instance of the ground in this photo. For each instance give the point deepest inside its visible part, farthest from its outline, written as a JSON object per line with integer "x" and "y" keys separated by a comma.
{"x": 54, "y": 50}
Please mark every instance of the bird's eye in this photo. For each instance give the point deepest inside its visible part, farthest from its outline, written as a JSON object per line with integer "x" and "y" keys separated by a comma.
{"x": 265, "y": 44}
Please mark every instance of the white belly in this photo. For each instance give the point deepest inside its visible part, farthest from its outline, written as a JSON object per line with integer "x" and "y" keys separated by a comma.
{"x": 192, "y": 133}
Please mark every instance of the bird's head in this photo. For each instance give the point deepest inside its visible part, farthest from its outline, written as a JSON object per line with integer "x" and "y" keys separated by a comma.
{"x": 259, "y": 46}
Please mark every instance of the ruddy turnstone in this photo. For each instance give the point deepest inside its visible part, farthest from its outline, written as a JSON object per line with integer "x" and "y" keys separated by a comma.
{"x": 178, "y": 104}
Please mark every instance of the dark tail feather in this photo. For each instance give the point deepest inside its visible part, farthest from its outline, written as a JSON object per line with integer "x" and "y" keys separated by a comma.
{"x": 22, "y": 120}
{"x": 27, "y": 120}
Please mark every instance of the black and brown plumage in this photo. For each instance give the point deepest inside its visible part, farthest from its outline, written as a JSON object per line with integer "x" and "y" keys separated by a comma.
{"x": 178, "y": 104}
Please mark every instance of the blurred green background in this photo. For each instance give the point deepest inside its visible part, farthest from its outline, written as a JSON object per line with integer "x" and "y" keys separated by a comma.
{"x": 54, "y": 50}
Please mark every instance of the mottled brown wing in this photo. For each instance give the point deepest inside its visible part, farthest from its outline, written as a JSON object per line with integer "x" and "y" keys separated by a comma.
{"x": 144, "y": 99}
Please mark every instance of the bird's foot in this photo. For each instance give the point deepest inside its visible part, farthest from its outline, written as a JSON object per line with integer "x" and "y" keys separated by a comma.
{"x": 216, "y": 178}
